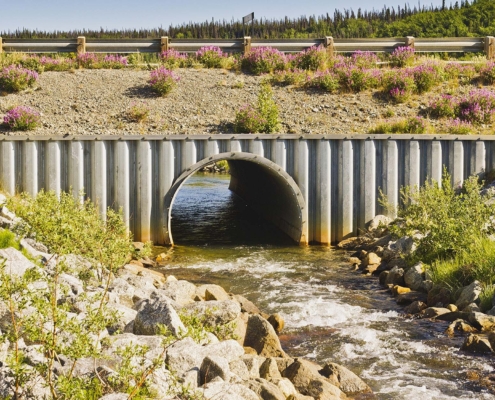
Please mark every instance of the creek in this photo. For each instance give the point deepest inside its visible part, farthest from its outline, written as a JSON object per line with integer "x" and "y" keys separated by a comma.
{"x": 331, "y": 313}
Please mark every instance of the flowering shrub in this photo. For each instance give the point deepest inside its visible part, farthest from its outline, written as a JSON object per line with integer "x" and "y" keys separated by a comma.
{"x": 262, "y": 60}
{"x": 173, "y": 59}
{"x": 210, "y": 56}
{"x": 464, "y": 73}
{"x": 356, "y": 79}
{"x": 163, "y": 80}
{"x": 444, "y": 106}
{"x": 399, "y": 86}
{"x": 113, "y": 61}
{"x": 296, "y": 77}
{"x": 262, "y": 118}
{"x": 138, "y": 112}
{"x": 409, "y": 125}
{"x": 425, "y": 77}
{"x": 15, "y": 78}
{"x": 326, "y": 80}
{"x": 478, "y": 107}
{"x": 313, "y": 59}
{"x": 364, "y": 59}
{"x": 22, "y": 118}
{"x": 56, "y": 64}
{"x": 402, "y": 56}
{"x": 459, "y": 127}
{"x": 487, "y": 73}
{"x": 87, "y": 60}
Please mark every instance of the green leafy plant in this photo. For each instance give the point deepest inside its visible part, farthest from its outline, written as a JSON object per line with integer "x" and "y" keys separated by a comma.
{"x": 407, "y": 125}
{"x": 138, "y": 112}
{"x": 262, "y": 118}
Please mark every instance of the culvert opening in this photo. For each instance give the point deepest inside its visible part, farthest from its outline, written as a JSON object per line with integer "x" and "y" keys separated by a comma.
{"x": 254, "y": 204}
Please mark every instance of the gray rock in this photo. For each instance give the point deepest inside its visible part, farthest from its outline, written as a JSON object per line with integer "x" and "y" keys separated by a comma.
{"x": 184, "y": 355}
{"x": 266, "y": 390}
{"x": 482, "y": 321}
{"x": 228, "y": 349}
{"x": 214, "y": 366}
{"x": 414, "y": 276}
{"x": 433, "y": 312}
{"x": 415, "y": 307}
{"x": 477, "y": 344}
{"x": 469, "y": 294}
{"x": 459, "y": 325}
{"x": 395, "y": 277}
{"x": 286, "y": 386}
{"x": 212, "y": 292}
{"x": 182, "y": 292}
{"x": 378, "y": 224}
{"x": 155, "y": 311}
{"x": 15, "y": 262}
{"x": 125, "y": 316}
{"x": 124, "y": 290}
{"x": 269, "y": 370}
{"x": 473, "y": 307}
{"x": 3, "y": 199}
{"x": 227, "y": 391}
{"x": 344, "y": 379}
{"x": 238, "y": 367}
{"x": 261, "y": 336}
{"x": 253, "y": 364}
{"x": 217, "y": 312}
{"x": 246, "y": 305}
{"x": 32, "y": 247}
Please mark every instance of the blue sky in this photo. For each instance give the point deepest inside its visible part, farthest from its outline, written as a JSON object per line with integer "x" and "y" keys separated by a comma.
{"x": 92, "y": 14}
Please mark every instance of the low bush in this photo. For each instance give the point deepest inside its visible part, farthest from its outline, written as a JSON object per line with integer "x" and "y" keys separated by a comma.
{"x": 487, "y": 73}
{"x": 364, "y": 59}
{"x": 425, "y": 76}
{"x": 8, "y": 239}
{"x": 87, "y": 60}
{"x": 172, "y": 59}
{"x": 461, "y": 72}
{"x": 163, "y": 81}
{"x": 327, "y": 81}
{"x": 446, "y": 219}
{"x": 458, "y": 127}
{"x": 408, "y": 125}
{"x": 399, "y": 86}
{"x": 312, "y": 59}
{"x": 210, "y": 56}
{"x": 14, "y": 78}
{"x": 259, "y": 118}
{"x": 295, "y": 77}
{"x": 356, "y": 79}
{"x": 263, "y": 60}
{"x": 111, "y": 61}
{"x": 138, "y": 112}
{"x": 22, "y": 118}
{"x": 402, "y": 57}
{"x": 445, "y": 106}
{"x": 56, "y": 64}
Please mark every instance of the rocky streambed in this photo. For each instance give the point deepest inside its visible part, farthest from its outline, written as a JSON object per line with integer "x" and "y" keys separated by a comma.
{"x": 239, "y": 356}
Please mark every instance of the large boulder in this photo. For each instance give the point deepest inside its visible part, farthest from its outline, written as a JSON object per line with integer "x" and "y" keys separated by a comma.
{"x": 482, "y": 321}
{"x": 476, "y": 344}
{"x": 15, "y": 262}
{"x": 469, "y": 294}
{"x": 378, "y": 225}
{"x": 246, "y": 305}
{"x": 266, "y": 390}
{"x": 269, "y": 369}
{"x": 154, "y": 312}
{"x": 214, "y": 366}
{"x": 184, "y": 355}
{"x": 395, "y": 277}
{"x": 183, "y": 292}
{"x": 220, "y": 390}
{"x": 414, "y": 276}
{"x": 307, "y": 380}
{"x": 261, "y": 336}
{"x": 344, "y": 379}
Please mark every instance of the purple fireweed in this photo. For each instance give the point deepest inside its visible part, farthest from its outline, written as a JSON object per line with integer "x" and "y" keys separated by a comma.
{"x": 114, "y": 61}
{"x": 487, "y": 73}
{"x": 402, "y": 56}
{"x": 425, "y": 77}
{"x": 263, "y": 60}
{"x": 356, "y": 79}
{"x": 210, "y": 56}
{"x": 399, "y": 86}
{"x": 162, "y": 80}
{"x": 325, "y": 80}
{"x": 14, "y": 78}
{"x": 364, "y": 58}
{"x": 87, "y": 60}
{"x": 172, "y": 58}
{"x": 313, "y": 59}
{"x": 22, "y": 118}
{"x": 464, "y": 73}
{"x": 458, "y": 127}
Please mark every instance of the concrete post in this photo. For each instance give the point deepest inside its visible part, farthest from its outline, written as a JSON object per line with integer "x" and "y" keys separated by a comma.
{"x": 81, "y": 45}
{"x": 330, "y": 46}
{"x": 1, "y": 45}
{"x": 164, "y": 44}
{"x": 409, "y": 41}
{"x": 490, "y": 47}
{"x": 247, "y": 44}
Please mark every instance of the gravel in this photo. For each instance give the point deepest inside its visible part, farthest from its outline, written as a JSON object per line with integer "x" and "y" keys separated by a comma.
{"x": 96, "y": 102}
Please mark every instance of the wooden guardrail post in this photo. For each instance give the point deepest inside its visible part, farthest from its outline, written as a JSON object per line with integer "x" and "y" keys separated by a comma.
{"x": 164, "y": 44}
{"x": 247, "y": 44}
{"x": 490, "y": 47}
{"x": 81, "y": 44}
{"x": 409, "y": 41}
{"x": 329, "y": 45}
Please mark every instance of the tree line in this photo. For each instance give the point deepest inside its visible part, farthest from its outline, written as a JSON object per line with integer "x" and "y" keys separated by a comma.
{"x": 461, "y": 19}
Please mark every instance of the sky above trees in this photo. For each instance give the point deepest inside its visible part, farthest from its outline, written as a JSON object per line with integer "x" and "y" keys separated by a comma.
{"x": 53, "y": 15}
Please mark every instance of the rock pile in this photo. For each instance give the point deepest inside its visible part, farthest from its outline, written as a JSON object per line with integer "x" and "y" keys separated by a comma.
{"x": 251, "y": 364}
{"x": 378, "y": 254}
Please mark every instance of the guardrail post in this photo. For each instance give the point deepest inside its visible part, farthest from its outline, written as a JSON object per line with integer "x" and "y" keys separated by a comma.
{"x": 329, "y": 45}
{"x": 247, "y": 44}
{"x": 164, "y": 43}
{"x": 1, "y": 45}
{"x": 409, "y": 41}
{"x": 81, "y": 44}
{"x": 490, "y": 47}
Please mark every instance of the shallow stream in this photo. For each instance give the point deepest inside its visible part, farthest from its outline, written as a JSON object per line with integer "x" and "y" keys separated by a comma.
{"x": 331, "y": 313}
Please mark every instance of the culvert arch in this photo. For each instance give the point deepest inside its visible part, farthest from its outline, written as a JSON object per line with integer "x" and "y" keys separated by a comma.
{"x": 265, "y": 187}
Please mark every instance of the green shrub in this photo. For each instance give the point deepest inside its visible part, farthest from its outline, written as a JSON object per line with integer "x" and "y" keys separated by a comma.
{"x": 408, "y": 125}
{"x": 262, "y": 118}
{"x": 327, "y": 81}
{"x": 7, "y": 239}
{"x": 446, "y": 219}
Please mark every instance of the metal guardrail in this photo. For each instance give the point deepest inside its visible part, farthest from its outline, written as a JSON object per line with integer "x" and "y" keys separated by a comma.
{"x": 128, "y": 46}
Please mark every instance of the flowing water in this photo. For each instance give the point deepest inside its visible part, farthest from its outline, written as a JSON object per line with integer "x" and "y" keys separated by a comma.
{"x": 331, "y": 313}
